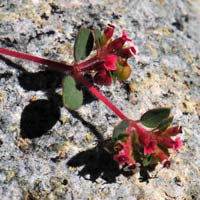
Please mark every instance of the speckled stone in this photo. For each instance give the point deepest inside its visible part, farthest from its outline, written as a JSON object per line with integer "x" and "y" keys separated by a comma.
{"x": 166, "y": 72}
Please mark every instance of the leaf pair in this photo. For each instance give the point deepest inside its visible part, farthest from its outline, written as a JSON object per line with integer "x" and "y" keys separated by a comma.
{"x": 73, "y": 97}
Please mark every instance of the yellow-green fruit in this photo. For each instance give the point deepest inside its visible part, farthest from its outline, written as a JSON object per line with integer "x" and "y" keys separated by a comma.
{"x": 123, "y": 72}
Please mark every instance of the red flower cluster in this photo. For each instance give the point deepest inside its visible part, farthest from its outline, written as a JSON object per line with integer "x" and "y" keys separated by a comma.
{"x": 155, "y": 143}
{"x": 113, "y": 57}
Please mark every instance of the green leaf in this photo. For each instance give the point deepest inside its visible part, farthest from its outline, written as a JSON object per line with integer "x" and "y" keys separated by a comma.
{"x": 72, "y": 97}
{"x": 165, "y": 124}
{"x": 121, "y": 137}
{"x": 83, "y": 44}
{"x": 147, "y": 160}
{"x": 97, "y": 36}
{"x": 120, "y": 129}
{"x": 153, "y": 118}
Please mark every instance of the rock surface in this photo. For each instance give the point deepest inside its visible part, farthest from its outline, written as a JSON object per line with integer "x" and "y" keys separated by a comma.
{"x": 166, "y": 72}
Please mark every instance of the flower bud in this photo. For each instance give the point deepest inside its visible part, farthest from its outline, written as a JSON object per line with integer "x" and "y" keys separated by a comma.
{"x": 127, "y": 52}
{"x": 172, "y": 131}
{"x": 123, "y": 72}
{"x": 177, "y": 144}
{"x": 166, "y": 163}
{"x": 150, "y": 148}
{"x": 108, "y": 32}
{"x": 118, "y": 42}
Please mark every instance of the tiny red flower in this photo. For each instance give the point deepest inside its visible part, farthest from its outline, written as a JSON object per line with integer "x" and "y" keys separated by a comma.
{"x": 165, "y": 141}
{"x": 127, "y": 52}
{"x": 110, "y": 62}
{"x": 124, "y": 155}
{"x": 177, "y": 144}
{"x": 169, "y": 142}
{"x": 121, "y": 158}
{"x": 172, "y": 131}
{"x": 118, "y": 42}
{"x": 103, "y": 77}
{"x": 150, "y": 148}
{"x": 108, "y": 32}
{"x": 144, "y": 138}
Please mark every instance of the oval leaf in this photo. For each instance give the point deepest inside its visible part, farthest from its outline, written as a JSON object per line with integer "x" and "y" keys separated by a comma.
{"x": 120, "y": 129}
{"x": 165, "y": 124}
{"x": 153, "y": 118}
{"x": 72, "y": 97}
{"x": 83, "y": 44}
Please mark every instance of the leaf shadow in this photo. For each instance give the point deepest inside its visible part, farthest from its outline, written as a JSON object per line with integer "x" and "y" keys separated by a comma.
{"x": 38, "y": 117}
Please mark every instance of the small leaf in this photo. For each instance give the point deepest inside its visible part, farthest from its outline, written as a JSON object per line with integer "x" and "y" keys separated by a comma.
{"x": 153, "y": 118}
{"x": 72, "y": 97}
{"x": 147, "y": 160}
{"x": 120, "y": 129}
{"x": 121, "y": 137}
{"x": 165, "y": 124}
{"x": 83, "y": 44}
{"x": 97, "y": 36}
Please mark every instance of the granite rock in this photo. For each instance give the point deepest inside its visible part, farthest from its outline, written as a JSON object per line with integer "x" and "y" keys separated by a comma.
{"x": 38, "y": 137}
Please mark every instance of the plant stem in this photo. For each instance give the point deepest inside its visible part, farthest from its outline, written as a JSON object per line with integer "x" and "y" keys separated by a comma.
{"x": 68, "y": 68}
{"x": 52, "y": 64}
{"x": 100, "y": 96}
{"x": 85, "y": 65}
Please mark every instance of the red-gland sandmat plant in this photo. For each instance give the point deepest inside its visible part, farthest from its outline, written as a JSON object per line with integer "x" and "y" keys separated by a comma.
{"x": 145, "y": 141}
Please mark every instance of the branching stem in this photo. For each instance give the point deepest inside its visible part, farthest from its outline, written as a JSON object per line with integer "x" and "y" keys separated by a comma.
{"x": 69, "y": 68}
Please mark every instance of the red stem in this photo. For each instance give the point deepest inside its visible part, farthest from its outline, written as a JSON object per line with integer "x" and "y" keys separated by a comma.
{"x": 64, "y": 68}
{"x": 100, "y": 96}
{"x": 55, "y": 65}
{"x": 85, "y": 65}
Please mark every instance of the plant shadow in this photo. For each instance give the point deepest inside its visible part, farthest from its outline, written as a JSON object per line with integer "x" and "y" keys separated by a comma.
{"x": 40, "y": 115}
{"x": 98, "y": 163}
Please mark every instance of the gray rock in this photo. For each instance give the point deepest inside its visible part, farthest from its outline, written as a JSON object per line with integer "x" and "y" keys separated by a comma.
{"x": 165, "y": 73}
